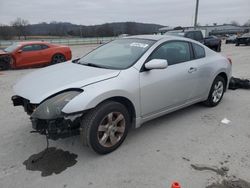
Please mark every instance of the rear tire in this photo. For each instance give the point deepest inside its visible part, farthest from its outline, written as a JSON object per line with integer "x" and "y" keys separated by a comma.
{"x": 216, "y": 92}
{"x": 105, "y": 127}
{"x": 58, "y": 58}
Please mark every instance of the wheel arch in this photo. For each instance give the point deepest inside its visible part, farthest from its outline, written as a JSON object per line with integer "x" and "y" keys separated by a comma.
{"x": 94, "y": 100}
{"x": 126, "y": 102}
{"x": 57, "y": 53}
{"x": 224, "y": 75}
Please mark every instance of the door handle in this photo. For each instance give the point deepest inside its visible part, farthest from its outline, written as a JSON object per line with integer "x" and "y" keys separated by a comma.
{"x": 192, "y": 69}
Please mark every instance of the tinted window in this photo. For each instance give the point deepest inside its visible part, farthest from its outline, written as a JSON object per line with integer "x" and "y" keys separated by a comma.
{"x": 190, "y": 35}
{"x": 37, "y": 47}
{"x": 173, "y": 52}
{"x": 27, "y": 48}
{"x": 198, "y": 36}
{"x": 198, "y": 51}
{"x": 32, "y": 47}
{"x": 44, "y": 46}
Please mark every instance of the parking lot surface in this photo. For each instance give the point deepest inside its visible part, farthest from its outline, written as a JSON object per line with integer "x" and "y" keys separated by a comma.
{"x": 160, "y": 152}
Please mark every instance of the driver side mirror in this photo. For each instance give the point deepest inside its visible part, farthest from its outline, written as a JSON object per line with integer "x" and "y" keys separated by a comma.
{"x": 156, "y": 64}
{"x": 19, "y": 51}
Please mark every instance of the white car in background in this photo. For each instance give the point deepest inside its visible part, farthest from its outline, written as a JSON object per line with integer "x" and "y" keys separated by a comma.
{"x": 121, "y": 85}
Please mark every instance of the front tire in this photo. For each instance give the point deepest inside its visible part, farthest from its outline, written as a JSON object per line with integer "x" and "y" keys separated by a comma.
{"x": 105, "y": 127}
{"x": 216, "y": 92}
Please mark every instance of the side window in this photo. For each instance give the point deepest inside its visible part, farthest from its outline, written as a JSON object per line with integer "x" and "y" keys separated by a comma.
{"x": 190, "y": 35}
{"x": 198, "y": 35}
{"x": 44, "y": 46}
{"x": 37, "y": 47}
{"x": 27, "y": 48}
{"x": 173, "y": 52}
{"x": 199, "y": 51}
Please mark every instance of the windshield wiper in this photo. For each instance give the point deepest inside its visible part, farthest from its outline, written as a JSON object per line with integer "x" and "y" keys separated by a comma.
{"x": 92, "y": 65}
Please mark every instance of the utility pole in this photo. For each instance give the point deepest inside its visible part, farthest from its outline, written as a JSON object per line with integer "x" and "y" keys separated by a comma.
{"x": 196, "y": 13}
{"x": 81, "y": 31}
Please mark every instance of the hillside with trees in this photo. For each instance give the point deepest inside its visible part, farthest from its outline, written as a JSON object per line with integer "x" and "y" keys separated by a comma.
{"x": 22, "y": 28}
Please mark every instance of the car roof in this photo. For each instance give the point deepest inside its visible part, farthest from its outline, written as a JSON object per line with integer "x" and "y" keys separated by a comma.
{"x": 154, "y": 37}
{"x": 161, "y": 37}
{"x": 32, "y": 42}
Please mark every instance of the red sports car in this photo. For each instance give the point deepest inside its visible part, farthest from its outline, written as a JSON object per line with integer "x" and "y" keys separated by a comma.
{"x": 33, "y": 54}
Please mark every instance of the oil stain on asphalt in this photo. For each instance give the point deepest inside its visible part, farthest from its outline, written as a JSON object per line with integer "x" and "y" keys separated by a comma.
{"x": 227, "y": 182}
{"x": 51, "y": 160}
{"x": 239, "y": 183}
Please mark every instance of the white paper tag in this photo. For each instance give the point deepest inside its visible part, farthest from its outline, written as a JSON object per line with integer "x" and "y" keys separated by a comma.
{"x": 140, "y": 45}
{"x": 225, "y": 121}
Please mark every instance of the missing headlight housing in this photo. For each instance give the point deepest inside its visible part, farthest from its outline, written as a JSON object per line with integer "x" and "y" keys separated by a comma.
{"x": 51, "y": 108}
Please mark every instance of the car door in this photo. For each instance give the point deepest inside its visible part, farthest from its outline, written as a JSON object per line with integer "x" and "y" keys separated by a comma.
{"x": 29, "y": 55}
{"x": 204, "y": 73}
{"x": 45, "y": 53}
{"x": 167, "y": 88}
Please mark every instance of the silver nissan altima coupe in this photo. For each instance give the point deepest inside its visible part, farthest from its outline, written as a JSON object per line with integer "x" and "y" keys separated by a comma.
{"x": 121, "y": 85}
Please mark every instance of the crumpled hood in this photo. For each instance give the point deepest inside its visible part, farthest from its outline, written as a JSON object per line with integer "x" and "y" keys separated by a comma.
{"x": 45, "y": 82}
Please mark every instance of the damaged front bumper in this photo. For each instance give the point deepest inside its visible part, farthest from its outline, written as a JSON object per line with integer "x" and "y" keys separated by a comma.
{"x": 6, "y": 61}
{"x": 47, "y": 117}
{"x": 56, "y": 128}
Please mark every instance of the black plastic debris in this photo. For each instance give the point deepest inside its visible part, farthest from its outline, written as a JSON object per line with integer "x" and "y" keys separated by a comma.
{"x": 237, "y": 83}
{"x": 51, "y": 160}
{"x": 5, "y": 61}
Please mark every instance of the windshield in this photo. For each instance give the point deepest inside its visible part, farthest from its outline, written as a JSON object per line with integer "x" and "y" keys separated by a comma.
{"x": 118, "y": 54}
{"x": 11, "y": 48}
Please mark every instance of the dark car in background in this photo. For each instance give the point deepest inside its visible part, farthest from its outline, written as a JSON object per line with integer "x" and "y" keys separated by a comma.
{"x": 213, "y": 42}
{"x": 244, "y": 39}
{"x": 231, "y": 39}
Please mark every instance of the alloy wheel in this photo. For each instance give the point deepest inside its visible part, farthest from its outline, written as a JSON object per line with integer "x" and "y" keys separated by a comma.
{"x": 111, "y": 129}
{"x": 58, "y": 59}
{"x": 218, "y": 91}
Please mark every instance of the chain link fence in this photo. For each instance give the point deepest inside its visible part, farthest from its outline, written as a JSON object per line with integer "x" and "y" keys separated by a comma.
{"x": 63, "y": 41}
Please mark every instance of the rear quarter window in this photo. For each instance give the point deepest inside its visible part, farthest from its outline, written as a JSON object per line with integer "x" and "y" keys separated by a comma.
{"x": 199, "y": 51}
{"x": 44, "y": 46}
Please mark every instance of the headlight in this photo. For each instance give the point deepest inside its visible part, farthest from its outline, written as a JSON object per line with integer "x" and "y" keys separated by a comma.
{"x": 51, "y": 108}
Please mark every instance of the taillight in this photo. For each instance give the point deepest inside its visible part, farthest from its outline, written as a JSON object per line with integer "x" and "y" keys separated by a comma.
{"x": 229, "y": 60}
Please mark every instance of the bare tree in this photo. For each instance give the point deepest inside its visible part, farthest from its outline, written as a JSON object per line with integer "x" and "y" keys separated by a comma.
{"x": 6, "y": 32}
{"x": 20, "y": 26}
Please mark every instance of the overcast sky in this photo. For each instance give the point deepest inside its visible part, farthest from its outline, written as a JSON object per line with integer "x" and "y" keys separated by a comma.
{"x": 165, "y": 12}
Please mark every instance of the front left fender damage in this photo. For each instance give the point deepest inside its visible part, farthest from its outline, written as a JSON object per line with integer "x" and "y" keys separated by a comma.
{"x": 47, "y": 117}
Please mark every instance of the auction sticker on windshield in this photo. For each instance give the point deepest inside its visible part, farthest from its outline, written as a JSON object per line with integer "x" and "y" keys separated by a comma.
{"x": 140, "y": 45}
